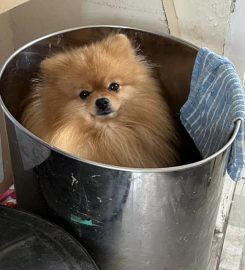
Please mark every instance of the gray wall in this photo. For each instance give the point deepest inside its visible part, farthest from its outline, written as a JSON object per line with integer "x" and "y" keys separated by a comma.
{"x": 40, "y": 17}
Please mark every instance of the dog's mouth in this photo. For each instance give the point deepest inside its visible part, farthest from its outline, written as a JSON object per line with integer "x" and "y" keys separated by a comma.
{"x": 107, "y": 115}
{"x": 104, "y": 112}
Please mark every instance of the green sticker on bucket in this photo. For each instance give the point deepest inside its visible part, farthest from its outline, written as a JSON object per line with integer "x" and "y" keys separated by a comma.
{"x": 87, "y": 222}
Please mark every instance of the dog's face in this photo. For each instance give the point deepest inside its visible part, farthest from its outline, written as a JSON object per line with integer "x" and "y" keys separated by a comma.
{"x": 94, "y": 82}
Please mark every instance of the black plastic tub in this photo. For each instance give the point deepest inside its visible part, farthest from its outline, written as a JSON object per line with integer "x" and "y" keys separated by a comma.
{"x": 30, "y": 242}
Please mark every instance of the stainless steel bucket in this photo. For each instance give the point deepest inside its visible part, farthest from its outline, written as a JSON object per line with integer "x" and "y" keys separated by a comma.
{"x": 128, "y": 219}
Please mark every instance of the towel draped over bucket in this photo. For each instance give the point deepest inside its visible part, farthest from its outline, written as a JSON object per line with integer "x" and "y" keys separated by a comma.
{"x": 216, "y": 101}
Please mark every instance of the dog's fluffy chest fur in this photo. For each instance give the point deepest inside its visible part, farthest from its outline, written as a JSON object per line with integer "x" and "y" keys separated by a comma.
{"x": 120, "y": 144}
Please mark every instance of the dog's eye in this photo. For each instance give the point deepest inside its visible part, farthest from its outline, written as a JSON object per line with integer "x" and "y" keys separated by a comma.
{"x": 114, "y": 87}
{"x": 84, "y": 94}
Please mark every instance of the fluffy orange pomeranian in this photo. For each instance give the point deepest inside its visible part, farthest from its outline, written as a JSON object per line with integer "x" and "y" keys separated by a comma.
{"x": 100, "y": 102}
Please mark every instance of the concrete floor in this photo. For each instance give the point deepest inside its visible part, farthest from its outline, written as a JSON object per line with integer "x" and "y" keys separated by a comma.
{"x": 229, "y": 247}
{"x": 233, "y": 252}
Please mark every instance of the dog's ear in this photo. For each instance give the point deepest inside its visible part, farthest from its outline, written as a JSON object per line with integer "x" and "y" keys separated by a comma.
{"x": 52, "y": 67}
{"x": 120, "y": 44}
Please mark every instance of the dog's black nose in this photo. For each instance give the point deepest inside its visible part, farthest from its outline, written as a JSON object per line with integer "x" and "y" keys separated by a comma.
{"x": 102, "y": 103}
{"x": 103, "y": 106}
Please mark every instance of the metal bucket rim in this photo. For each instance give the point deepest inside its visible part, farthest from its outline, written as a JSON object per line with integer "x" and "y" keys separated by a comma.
{"x": 139, "y": 170}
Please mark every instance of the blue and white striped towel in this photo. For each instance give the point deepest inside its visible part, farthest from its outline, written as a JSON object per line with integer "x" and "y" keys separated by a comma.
{"x": 215, "y": 102}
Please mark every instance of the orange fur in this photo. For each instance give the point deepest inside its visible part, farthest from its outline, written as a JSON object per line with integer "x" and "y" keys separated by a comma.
{"x": 139, "y": 133}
